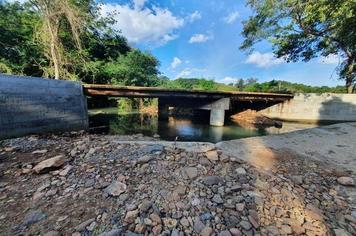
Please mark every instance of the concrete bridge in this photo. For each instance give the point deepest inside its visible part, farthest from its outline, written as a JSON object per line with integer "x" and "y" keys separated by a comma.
{"x": 215, "y": 101}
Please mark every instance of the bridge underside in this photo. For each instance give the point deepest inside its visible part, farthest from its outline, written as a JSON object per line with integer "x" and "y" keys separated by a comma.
{"x": 216, "y": 102}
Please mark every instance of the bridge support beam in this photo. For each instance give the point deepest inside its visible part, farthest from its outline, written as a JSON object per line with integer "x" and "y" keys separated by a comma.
{"x": 217, "y": 117}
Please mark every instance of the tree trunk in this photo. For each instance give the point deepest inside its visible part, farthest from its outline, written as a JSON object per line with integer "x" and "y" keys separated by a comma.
{"x": 349, "y": 85}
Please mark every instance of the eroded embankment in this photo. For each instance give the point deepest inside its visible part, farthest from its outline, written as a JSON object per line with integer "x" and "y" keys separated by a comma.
{"x": 98, "y": 184}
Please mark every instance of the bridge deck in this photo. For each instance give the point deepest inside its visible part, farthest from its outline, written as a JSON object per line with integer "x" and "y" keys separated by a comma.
{"x": 155, "y": 92}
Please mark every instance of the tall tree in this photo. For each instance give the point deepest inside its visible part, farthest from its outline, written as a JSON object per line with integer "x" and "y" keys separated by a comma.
{"x": 304, "y": 29}
{"x": 56, "y": 14}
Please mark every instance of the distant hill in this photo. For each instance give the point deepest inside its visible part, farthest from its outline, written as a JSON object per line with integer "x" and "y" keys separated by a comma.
{"x": 248, "y": 85}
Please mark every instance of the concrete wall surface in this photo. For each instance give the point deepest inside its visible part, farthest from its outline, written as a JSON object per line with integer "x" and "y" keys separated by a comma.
{"x": 36, "y": 105}
{"x": 315, "y": 107}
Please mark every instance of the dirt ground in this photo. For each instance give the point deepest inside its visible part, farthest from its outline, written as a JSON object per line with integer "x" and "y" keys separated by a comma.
{"x": 106, "y": 187}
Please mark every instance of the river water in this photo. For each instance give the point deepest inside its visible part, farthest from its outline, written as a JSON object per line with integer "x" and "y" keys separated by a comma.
{"x": 110, "y": 121}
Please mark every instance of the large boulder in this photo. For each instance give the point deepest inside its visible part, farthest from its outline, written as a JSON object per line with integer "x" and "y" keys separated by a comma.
{"x": 49, "y": 164}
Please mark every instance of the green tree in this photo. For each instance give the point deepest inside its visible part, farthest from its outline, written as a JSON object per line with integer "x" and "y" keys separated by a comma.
{"x": 136, "y": 69}
{"x": 302, "y": 30}
{"x": 19, "y": 52}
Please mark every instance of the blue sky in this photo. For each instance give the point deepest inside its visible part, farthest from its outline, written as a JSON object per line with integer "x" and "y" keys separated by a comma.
{"x": 196, "y": 38}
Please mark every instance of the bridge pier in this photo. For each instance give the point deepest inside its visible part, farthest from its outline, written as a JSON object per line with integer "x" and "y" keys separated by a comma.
{"x": 163, "y": 110}
{"x": 217, "y": 117}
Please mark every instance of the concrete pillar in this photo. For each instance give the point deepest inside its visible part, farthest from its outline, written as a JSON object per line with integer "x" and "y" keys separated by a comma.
{"x": 217, "y": 117}
{"x": 163, "y": 110}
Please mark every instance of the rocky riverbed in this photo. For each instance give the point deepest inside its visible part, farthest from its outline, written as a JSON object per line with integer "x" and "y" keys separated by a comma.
{"x": 79, "y": 184}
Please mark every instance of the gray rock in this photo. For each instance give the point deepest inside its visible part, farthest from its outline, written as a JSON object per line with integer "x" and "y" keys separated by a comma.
{"x": 191, "y": 172}
{"x": 206, "y": 216}
{"x": 144, "y": 159}
{"x": 212, "y": 180}
{"x": 225, "y": 233}
{"x": 217, "y": 199}
{"x": 198, "y": 225}
{"x": 84, "y": 224}
{"x": 113, "y": 232}
{"x": 346, "y": 181}
{"x": 152, "y": 148}
{"x": 207, "y": 231}
{"x": 245, "y": 225}
{"x": 240, "y": 171}
{"x": 33, "y": 217}
{"x": 115, "y": 188}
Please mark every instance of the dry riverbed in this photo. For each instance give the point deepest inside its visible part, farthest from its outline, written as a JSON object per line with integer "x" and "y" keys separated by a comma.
{"x": 80, "y": 184}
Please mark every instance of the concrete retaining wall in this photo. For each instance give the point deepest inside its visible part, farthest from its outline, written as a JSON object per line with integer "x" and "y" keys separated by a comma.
{"x": 36, "y": 105}
{"x": 315, "y": 107}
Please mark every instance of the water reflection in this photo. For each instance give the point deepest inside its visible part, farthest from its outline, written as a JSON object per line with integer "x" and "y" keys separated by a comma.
{"x": 186, "y": 129}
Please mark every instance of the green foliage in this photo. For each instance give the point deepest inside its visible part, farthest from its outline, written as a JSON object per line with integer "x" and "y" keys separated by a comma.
{"x": 136, "y": 68}
{"x": 302, "y": 30}
{"x": 19, "y": 52}
{"x": 98, "y": 55}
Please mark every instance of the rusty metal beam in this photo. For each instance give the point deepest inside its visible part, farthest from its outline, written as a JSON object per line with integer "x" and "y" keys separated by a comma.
{"x": 155, "y": 92}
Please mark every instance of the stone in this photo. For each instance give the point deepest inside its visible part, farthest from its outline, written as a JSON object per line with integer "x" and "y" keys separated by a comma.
{"x": 253, "y": 221}
{"x": 341, "y": 232}
{"x": 33, "y": 217}
{"x": 206, "y": 216}
{"x": 113, "y": 232}
{"x": 198, "y": 225}
{"x": 346, "y": 181}
{"x": 286, "y": 229}
{"x": 184, "y": 222}
{"x": 131, "y": 216}
{"x": 169, "y": 223}
{"x": 83, "y": 225}
{"x": 49, "y": 164}
{"x": 240, "y": 171}
{"x": 212, "y": 155}
{"x": 240, "y": 206}
{"x": 225, "y": 233}
{"x": 145, "y": 206}
{"x": 116, "y": 188}
{"x": 212, "y": 180}
{"x": 191, "y": 172}
{"x": 52, "y": 233}
{"x": 207, "y": 231}
{"x": 156, "y": 230}
{"x": 245, "y": 225}
{"x": 155, "y": 218}
{"x": 43, "y": 151}
{"x": 140, "y": 228}
{"x": 152, "y": 148}
{"x": 235, "y": 232}
{"x": 144, "y": 159}
{"x": 217, "y": 199}
{"x": 66, "y": 170}
{"x": 175, "y": 232}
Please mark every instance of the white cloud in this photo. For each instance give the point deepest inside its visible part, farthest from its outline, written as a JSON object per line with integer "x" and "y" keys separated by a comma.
{"x": 200, "y": 38}
{"x": 231, "y": 18}
{"x": 263, "y": 60}
{"x": 139, "y": 3}
{"x": 330, "y": 59}
{"x": 140, "y": 24}
{"x": 176, "y": 62}
{"x": 184, "y": 73}
{"x": 194, "y": 16}
{"x": 229, "y": 79}
{"x": 196, "y": 72}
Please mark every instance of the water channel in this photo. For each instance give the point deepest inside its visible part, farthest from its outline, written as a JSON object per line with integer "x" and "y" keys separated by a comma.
{"x": 110, "y": 121}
